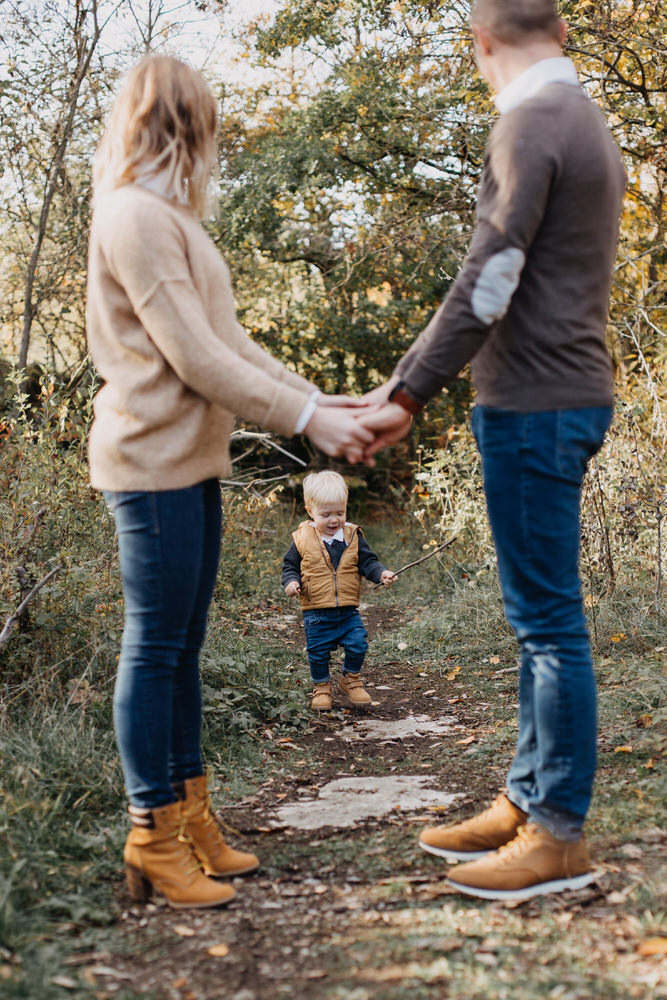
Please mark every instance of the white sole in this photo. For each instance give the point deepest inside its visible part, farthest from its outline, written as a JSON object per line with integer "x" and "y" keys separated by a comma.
{"x": 442, "y": 852}
{"x": 542, "y": 888}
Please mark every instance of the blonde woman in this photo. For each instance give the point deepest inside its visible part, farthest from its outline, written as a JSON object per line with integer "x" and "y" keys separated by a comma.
{"x": 176, "y": 368}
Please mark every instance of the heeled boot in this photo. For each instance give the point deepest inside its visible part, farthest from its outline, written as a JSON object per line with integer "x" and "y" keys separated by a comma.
{"x": 159, "y": 855}
{"x": 217, "y": 857}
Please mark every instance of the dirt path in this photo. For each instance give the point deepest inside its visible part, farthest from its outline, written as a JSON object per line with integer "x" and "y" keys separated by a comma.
{"x": 345, "y": 905}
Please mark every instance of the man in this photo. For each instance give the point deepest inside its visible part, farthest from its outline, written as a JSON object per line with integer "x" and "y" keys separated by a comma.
{"x": 529, "y": 308}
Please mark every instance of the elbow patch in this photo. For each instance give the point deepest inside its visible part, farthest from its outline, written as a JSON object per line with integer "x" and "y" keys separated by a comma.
{"x": 496, "y": 284}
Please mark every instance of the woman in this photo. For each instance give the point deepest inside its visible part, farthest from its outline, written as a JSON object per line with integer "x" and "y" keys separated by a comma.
{"x": 176, "y": 367}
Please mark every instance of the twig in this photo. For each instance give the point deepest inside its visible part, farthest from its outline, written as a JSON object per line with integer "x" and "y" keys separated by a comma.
{"x": 12, "y": 620}
{"x": 418, "y": 561}
{"x": 268, "y": 440}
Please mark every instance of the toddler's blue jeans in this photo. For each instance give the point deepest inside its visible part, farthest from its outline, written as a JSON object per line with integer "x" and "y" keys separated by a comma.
{"x": 533, "y": 466}
{"x": 328, "y": 628}
{"x": 169, "y": 545}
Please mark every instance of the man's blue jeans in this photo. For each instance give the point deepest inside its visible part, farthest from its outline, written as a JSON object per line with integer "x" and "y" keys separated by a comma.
{"x": 169, "y": 545}
{"x": 533, "y": 467}
{"x": 328, "y": 628}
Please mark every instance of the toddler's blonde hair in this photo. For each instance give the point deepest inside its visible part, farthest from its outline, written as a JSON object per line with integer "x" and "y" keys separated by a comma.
{"x": 164, "y": 119}
{"x": 324, "y": 487}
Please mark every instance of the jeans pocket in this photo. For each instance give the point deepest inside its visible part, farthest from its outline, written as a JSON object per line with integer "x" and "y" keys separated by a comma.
{"x": 580, "y": 435}
{"x": 134, "y": 511}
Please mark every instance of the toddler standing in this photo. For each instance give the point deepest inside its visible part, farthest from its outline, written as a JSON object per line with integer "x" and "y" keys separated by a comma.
{"x": 324, "y": 566}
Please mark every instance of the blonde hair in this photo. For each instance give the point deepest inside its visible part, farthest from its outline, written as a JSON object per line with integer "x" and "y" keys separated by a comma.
{"x": 514, "y": 21}
{"x": 324, "y": 487}
{"x": 164, "y": 120}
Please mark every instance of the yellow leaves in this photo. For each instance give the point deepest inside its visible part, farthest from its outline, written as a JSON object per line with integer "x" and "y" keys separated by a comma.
{"x": 452, "y": 673}
{"x": 619, "y": 637}
{"x": 653, "y": 946}
{"x": 626, "y": 748}
{"x": 218, "y": 950}
{"x": 380, "y": 296}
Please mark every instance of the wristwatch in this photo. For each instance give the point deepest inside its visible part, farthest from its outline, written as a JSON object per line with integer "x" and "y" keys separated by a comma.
{"x": 404, "y": 399}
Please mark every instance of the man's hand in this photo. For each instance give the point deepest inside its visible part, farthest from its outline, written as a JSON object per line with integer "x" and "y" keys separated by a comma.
{"x": 293, "y": 588}
{"x": 336, "y": 432}
{"x": 389, "y": 424}
{"x": 380, "y": 396}
{"x": 388, "y": 577}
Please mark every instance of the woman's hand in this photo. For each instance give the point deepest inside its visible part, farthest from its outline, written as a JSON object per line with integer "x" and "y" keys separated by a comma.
{"x": 335, "y": 431}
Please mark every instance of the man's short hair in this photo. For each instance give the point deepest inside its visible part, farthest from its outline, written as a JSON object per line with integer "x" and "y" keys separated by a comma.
{"x": 515, "y": 21}
{"x": 324, "y": 488}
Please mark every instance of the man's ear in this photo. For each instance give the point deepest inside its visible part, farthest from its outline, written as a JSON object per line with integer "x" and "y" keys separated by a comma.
{"x": 563, "y": 28}
{"x": 483, "y": 39}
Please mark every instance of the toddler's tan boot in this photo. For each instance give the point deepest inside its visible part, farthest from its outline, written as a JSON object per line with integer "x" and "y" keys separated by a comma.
{"x": 322, "y": 697}
{"x": 158, "y": 855}
{"x": 217, "y": 857}
{"x": 350, "y": 684}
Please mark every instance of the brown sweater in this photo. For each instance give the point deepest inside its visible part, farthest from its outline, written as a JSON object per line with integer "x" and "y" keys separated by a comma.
{"x": 177, "y": 365}
{"x": 529, "y": 306}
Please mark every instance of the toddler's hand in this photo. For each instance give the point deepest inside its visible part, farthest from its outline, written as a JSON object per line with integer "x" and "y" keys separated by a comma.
{"x": 388, "y": 578}
{"x": 293, "y": 588}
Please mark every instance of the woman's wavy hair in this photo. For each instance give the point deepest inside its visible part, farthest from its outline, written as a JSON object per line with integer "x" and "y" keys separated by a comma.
{"x": 164, "y": 119}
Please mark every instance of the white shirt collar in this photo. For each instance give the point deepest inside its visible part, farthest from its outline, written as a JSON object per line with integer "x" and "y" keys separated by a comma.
{"x": 558, "y": 69}
{"x": 338, "y": 537}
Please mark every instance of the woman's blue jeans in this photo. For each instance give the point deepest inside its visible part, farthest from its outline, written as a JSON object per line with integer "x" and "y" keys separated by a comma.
{"x": 533, "y": 466}
{"x": 169, "y": 545}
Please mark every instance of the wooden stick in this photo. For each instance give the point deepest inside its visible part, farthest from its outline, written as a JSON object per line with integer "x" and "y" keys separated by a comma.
{"x": 418, "y": 561}
{"x": 12, "y": 620}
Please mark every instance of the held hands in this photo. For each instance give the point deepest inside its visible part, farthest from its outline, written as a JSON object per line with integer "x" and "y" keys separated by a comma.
{"x": 358, "y": 428}
{"x": 293, "y": 588}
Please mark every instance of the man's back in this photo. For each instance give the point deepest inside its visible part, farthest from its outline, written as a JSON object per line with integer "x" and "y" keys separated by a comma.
{"x": 553, "y": 186}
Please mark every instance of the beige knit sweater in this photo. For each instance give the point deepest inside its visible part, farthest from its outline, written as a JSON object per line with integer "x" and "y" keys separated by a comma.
{"x": 165, "y": 339}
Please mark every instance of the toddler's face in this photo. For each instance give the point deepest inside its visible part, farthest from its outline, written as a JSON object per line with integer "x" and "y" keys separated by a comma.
{"x": 328, "y": 517}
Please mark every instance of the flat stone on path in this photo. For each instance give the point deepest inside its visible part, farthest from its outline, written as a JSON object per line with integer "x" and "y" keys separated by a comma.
{"x": 347, "y": 801}
{"x": 387, "y": 730}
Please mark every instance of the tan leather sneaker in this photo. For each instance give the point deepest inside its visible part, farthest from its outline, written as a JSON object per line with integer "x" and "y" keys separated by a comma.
{"x": 533, "y": 864}
{"x": 475, "y": 837}
{"x": 350, "y": 684}
{"x": 322, "y": 697}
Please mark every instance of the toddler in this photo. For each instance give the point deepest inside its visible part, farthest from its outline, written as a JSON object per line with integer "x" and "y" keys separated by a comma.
{"x": 324, "y": 566}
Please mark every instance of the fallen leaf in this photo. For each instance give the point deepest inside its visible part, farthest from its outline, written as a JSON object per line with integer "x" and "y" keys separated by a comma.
{"x": 65, "y": 981}
{"x": 468, "y": 739}
{"x": 653, "y": 946}
{"x": 618, "y": 638}
{"x": 183, "y": 930}
{"x": 452, "y": 673}
{"x": 402, "y": 645}
{"x": 218, "y": 950}
{"x": 624, "y": 749}
{"x": 494, "y": 659}
{"x": 179, "y": 983}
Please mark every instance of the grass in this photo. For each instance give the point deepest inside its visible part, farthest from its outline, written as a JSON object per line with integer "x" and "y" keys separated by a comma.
{"x": 62, "y": 811}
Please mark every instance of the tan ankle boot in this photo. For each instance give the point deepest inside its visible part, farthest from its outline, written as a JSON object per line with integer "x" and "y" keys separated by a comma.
{"x": 158, "y": 855}
{"x": 217, "y": 857}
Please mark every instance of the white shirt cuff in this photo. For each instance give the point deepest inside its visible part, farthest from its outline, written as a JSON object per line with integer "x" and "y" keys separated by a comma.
{"x": 307, "y": 411}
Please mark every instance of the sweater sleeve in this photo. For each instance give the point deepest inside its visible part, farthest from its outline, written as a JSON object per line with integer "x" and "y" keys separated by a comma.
{"x": 516, "y": 180}
{"x": 147, "y": 257}
{"x": 369, "y": 565}
{"x": 291, "y": 566}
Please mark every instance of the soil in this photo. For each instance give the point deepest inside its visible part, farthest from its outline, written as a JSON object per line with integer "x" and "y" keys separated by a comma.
{"x": 313, "y": 922}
